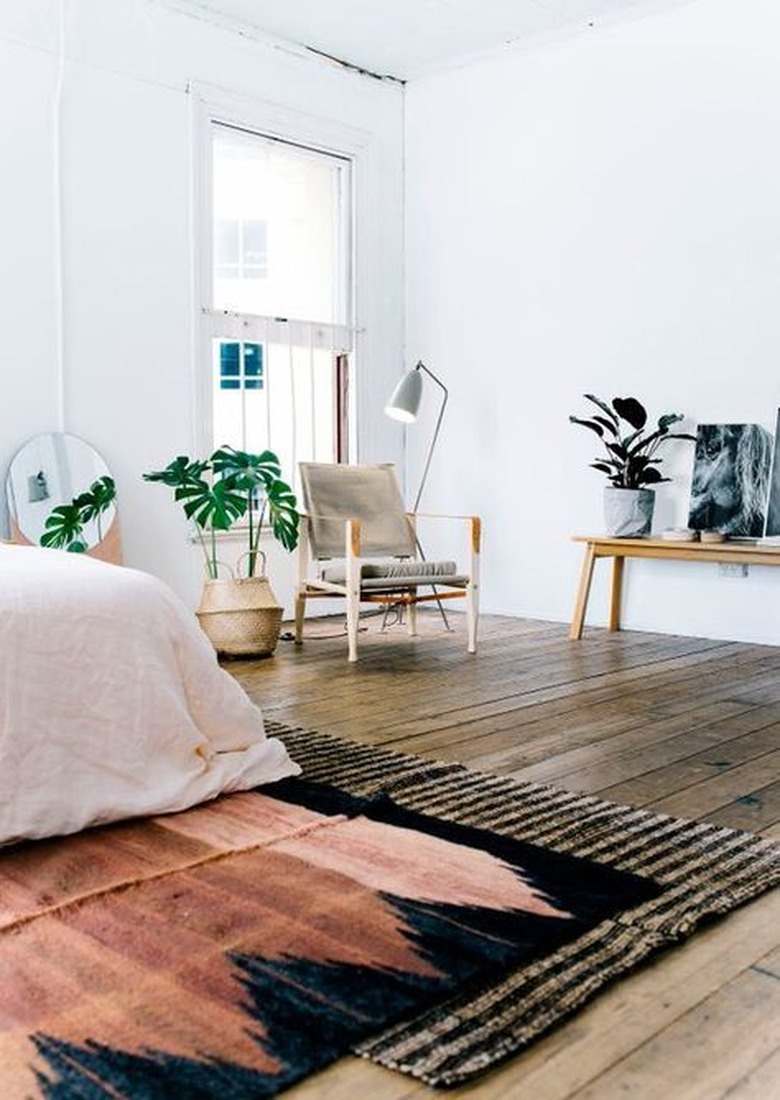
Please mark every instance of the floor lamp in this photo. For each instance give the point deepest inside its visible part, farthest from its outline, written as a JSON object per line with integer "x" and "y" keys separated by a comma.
{"x": 404, "y": 404}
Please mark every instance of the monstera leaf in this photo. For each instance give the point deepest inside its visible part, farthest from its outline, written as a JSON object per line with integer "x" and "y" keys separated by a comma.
{"x": 64, "y": 529}
{"x": 96, "y": 502}
{"x": 283, "y": 514}
{"x": 216, "y": 505}
{"x": 249, "y": 470}
{"x": 178, "y": 473}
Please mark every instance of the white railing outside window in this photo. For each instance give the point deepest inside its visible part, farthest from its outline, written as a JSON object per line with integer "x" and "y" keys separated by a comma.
{"x": 279, "y": 385}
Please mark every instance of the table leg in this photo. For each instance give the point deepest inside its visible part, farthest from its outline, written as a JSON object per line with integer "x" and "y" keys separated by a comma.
{"x": 616, "y": 592}
{"x": 583, "y": 592}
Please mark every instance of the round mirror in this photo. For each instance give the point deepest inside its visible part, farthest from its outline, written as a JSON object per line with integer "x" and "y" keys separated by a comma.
{"x": 61, "y": 494}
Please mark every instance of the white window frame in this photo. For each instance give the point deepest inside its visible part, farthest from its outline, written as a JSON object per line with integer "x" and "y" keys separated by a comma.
{"x": 211, "y": 105}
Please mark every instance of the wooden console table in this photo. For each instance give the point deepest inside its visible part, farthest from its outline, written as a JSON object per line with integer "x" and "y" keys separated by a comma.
{"x": 600, "y": 546}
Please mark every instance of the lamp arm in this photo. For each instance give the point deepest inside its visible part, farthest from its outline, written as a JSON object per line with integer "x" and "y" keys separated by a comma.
{"x": 446, "y": 392}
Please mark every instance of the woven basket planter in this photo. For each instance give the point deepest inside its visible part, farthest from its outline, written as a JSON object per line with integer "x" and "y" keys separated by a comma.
{"x": 240, "y": 616}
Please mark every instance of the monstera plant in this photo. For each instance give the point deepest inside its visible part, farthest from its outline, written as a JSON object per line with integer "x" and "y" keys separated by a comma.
{"x": 64, "y": 527}
{"x": 218, "y": 492}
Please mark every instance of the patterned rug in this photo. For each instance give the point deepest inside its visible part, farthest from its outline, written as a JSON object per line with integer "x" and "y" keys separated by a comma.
{"x": 428, "y": 917}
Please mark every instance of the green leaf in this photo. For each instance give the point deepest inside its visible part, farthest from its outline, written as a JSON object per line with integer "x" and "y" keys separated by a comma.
{"x": 97, "y": 499}
{"x": 63, "y": 526}
{"x": 632, "y": 438}
{"x": 181, "y": 471}
{"x": 604, "y": 408}
{"x": 216, "y": 506}
{"x": 251, "y": 471}
{"x": 283, "y": 514}
{"x": 652, "y": 476}
{"x": 594, "y": 427}
{"x": 660, "y": 435}
{"x": 630, "y": 410}
{"x": 607, "y": 424}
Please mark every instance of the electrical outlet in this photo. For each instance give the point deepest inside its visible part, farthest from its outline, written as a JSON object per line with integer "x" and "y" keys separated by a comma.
{"x": 732, "y": 569}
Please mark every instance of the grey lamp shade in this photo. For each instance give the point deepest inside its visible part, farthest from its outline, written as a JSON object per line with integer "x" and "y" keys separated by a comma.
{"x": 405, "y": 401}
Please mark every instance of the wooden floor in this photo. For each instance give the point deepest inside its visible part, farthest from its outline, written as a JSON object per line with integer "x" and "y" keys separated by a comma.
{"x": 684, "y": 726}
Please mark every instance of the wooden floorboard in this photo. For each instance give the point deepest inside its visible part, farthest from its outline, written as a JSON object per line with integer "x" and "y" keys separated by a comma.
{"x": 678, "y": 725}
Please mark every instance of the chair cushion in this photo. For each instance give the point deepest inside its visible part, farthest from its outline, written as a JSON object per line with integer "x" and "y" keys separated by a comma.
{"x": 407, "y": 573}
{"x": 408, "y": 569}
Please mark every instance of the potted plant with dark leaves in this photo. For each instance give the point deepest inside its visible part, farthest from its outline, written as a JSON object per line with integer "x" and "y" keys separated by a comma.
{"x": 239, "y": 613}
{"x": 630, "y": 461}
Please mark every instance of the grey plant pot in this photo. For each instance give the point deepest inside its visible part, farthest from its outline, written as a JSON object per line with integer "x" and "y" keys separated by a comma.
{"x": 628, "y": 513}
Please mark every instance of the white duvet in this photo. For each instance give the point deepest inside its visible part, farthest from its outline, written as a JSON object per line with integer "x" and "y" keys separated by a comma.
{"x": 112, "y": 703}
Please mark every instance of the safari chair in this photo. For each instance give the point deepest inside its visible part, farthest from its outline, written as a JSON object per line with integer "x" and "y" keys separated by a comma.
{"x": 357, "y": 541}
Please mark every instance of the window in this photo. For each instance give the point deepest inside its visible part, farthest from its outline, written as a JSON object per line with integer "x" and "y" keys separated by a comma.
{"x": 280, "y": 309}
{"x": 240, "y": 249}
{"x": 240, "y": 366}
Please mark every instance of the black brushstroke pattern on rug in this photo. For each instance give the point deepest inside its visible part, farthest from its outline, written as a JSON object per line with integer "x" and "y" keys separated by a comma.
{"x": 311, "y": 1013}
{"x": 590, "y": 891}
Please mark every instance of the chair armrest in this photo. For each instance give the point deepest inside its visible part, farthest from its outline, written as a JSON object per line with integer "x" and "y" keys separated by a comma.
{"x": 474, "y": 521}
{"x": 352, "y": 532}
{"x": 440, "y": 515}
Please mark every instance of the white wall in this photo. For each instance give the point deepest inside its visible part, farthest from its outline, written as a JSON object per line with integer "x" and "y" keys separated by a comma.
{"x": 599, "y": 215}
{"x": 129, "y": 305}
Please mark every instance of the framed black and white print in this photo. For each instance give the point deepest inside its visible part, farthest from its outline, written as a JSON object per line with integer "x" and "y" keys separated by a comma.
{"x": 731, "y": 479}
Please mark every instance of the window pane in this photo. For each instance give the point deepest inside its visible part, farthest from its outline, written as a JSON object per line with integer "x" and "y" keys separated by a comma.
{"x": 255, "y": 249}
{"x": 229, "y": 361}
{"x": 226, "y": 241}
{"x": 253, "y": 361}
{"x": 279, "y": 229}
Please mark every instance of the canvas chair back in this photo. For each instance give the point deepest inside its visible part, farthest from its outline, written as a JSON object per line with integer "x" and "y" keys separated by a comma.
{"x": 334, "y": 493}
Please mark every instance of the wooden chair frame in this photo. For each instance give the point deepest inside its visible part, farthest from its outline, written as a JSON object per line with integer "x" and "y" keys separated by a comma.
{"x": 396, "y": 591}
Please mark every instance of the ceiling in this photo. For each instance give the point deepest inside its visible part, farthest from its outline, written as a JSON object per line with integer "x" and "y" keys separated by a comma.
{"x": 407, "y": 38}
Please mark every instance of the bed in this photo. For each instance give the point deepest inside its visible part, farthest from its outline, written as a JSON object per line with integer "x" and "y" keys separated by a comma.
{"x": 112, "y": 703}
